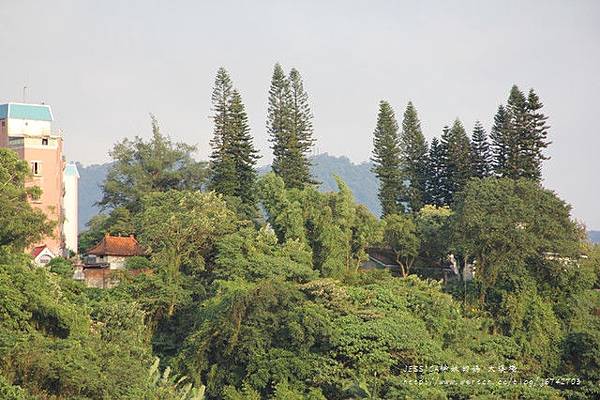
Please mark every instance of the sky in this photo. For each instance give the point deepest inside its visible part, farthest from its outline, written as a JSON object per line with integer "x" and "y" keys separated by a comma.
{"x": 104, "y": 66}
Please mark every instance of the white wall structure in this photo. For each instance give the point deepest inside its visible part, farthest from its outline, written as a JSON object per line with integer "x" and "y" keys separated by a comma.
{"x": 70, "y": 205}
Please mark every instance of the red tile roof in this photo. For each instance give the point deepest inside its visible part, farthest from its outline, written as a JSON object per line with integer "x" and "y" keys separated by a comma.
{"x": 37, "y": 250}
{"x": 117, "y": 246}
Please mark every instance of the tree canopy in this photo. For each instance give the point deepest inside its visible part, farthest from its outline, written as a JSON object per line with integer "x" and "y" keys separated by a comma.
{"x": 267, "y": 288}
{"x": 145, "y": 166}
{"x": 21, "y": 225}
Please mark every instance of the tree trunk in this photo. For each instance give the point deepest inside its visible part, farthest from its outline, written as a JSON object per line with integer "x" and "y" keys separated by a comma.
{"x": 402, "y": 268}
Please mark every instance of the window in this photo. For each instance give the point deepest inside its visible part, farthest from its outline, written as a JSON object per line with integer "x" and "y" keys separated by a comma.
{"x": 45, "y": 142}
{"x": 90, "y": 259}
{"x": 36, "y": 168}
{"x": 45, "y": 259}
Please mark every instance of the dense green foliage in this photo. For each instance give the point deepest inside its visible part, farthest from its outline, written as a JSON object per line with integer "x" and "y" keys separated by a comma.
{"x": 292, "y": 305}
{"x": 359, "y": 178}
{"x": 334, "y": 340}
{"x": 156, "y": 165}
{"x": 57, "y": 343}
{"x": 530, "y": 273}
{"x": 324, "y": 167}
{"x": 20, "y": 225}
{"x": 331, "y": 225}
{"x": 401, "y": 236}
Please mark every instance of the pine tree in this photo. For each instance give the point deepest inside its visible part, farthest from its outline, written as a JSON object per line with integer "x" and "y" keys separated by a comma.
{"x": 221, "y": 169}
{"x": 413, "y": 156}
{"x": 436, "y": 165}
{"x": 386, "y": 159}
{"x": 519, "y": 137}
{"x": 457, "y": 171}
{"x": 244, "y": 156}
{"x": 289, "y": 123}
{"x": 278, "y": 119}
{"x": 301, "y": 118}
{"x": 233, "y": 159}
{"x": 481, "y": 154}
{"x": 445, "y": 187}
{"x": 500, "y": 143}
{"x": 537, "y": 138}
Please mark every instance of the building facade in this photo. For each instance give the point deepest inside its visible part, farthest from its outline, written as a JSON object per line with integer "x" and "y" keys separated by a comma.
{"x": 27, "y": 129}
{"x": 70, "y": 207}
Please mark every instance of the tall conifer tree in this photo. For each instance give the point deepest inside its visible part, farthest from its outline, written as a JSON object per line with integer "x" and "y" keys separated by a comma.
{"x": 445, "y": 187}
{"x": 244, "y": 156}
{"x": 278, "y": 119}
{"x": 386, "y": 159}
{"x": 436, "y": 169}
{"x": 301, "y": 117}
{"x": 413, "y": 155}
{"x": 537, "y": 138}
{"x": 289, "y": 123}
{"x": 221, "y": 168}
{"x": 519, "y": 136}
{"x": 233, "y": 159}
{"x": 457, "y": 146}
{"x": 499, "y": 137}
{"x": 481, "y": 154}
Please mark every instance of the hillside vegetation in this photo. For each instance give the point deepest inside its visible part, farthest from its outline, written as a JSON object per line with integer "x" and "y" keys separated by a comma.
{"x": 256, "y": 286}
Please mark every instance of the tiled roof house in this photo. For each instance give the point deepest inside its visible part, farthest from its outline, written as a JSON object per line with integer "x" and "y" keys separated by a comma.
{"x": 116, "y": 246}
{"x": 107, "y": 256}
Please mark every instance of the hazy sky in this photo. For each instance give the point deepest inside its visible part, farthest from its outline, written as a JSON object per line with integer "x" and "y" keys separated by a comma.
{"x": 105, "y": 65}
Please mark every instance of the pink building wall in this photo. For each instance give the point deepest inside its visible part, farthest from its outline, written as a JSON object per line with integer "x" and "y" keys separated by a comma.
{"x": 27, "y": 129}
{"x": 50, "y": 181}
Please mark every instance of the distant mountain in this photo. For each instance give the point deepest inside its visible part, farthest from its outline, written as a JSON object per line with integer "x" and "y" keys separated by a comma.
{"x": 90, "y": 180}
{"x": 594, "y": 236}
{"x": 359, "y": 178}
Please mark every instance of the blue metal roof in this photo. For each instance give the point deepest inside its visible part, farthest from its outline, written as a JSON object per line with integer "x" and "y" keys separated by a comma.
{"x": 36, "y": 112}
{"x": 71, "y": 170}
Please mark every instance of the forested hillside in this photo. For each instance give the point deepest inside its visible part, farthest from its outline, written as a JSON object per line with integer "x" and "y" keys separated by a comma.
{"x": 324, "y": 168}
{"x": 359, "y": 178}
{"x": 256, "y": 286}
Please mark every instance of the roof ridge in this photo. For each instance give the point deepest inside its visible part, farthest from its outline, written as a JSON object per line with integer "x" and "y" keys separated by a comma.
{"x": 117, "y": 246}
